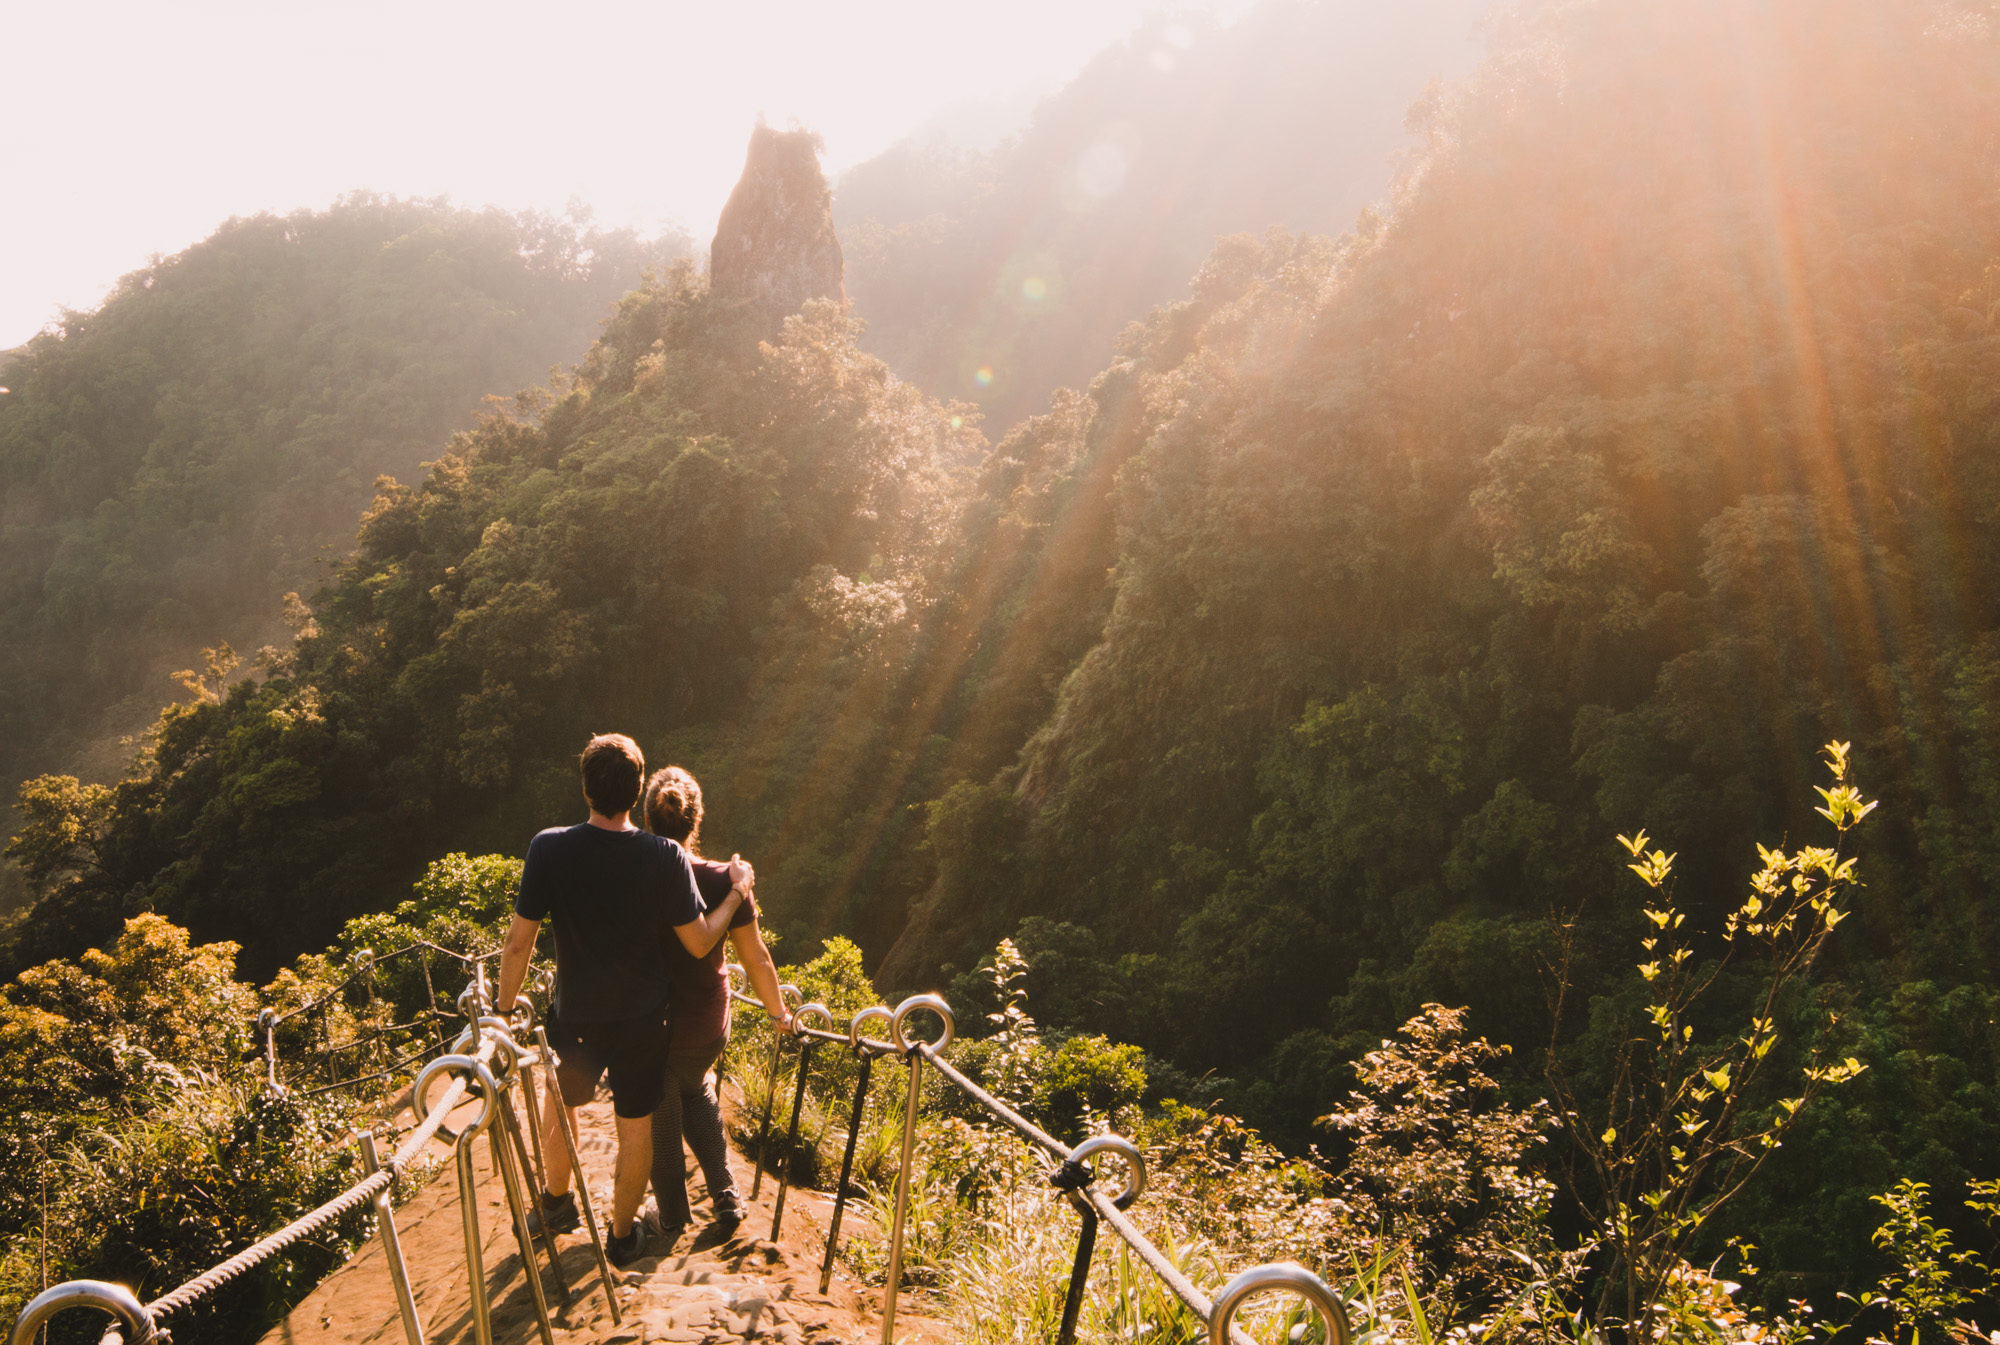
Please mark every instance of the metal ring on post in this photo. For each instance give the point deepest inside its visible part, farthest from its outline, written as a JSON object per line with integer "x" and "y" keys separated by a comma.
{"x": 545, "y": 982}
{"x": 506, "y": 1059}
{"x": 936, "y": 1004}
{"x": 115, "y": 1299}
{"x": 1135, "y": 1162}
{"x": 521, "y": 1018}
{"x": 363, "y": 960}
{"x": 819, "y": 1011}
{"x": 483, "y": 1082}
{"x": 1283, "y": 1275}
{"x": 791, "y": 996}
{"x": 873, "y": 1013}
{"x": 739, "y": 979}
{"x": 471, "y": 998}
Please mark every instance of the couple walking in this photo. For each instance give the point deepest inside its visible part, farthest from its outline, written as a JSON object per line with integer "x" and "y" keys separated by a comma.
{"x": 641, "y": 997}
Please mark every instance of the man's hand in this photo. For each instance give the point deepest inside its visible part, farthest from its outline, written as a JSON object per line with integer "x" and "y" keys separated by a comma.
{"x": 741, "y": 874}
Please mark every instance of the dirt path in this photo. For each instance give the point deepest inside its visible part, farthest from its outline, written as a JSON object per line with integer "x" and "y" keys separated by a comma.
{"x": 703, "y": 1290}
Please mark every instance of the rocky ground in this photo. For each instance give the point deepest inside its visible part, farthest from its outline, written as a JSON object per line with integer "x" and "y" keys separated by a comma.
{"x": 704, "y": 1289}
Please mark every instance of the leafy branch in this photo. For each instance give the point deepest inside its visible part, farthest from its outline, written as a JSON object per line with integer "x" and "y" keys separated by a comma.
{"x": 1682, "y": 1127}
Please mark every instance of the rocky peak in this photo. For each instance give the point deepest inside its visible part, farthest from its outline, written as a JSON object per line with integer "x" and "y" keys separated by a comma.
{"x": 774, "y": 245}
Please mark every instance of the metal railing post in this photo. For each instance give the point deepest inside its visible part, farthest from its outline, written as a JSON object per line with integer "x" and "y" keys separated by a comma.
{"x": 1073, "y": 1176}
{"x": 510, "y": 1180}
{"x": 392, "y": 1246}
{"x": 468, "y": 1182}
{"x": 539, "y": 1172}
{"x": 806, "y": 1047}
{"x": 1079, "y": 1276}
{"x": 267, "y": 1023}
{"x": 475, "y": 1256}
{"x": 914, "y": 1054}
{"x": 577, "y": 1178}
{"x": 431, "y": 996}
{"x": 853, "y": 1136}
{"x": 510, "y": 1155}
{"x": 786, "y": 994}
{"x": 737, "y": 979}
{"x": 530, "y": 1109}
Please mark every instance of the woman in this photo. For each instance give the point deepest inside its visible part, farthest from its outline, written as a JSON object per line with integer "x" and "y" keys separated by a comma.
{"x": 700, "y": 987}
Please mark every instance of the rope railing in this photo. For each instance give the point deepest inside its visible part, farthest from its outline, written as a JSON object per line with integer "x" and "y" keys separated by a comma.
{"x": 487, "y": 1065}
{"x": 364, "y": 963}
{"x": 1071, "y": 1174}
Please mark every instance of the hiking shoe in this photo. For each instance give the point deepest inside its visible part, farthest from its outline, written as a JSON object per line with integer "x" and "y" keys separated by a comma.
{"x": 558, "y": 1212}
{"x": 726, "y": 1224}
{"x": 622, "y": 1252}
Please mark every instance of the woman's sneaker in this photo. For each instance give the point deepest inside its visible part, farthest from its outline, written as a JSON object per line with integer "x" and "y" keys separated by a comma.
{"x": 622, "y": 1252}
{"x": 558, "y": 1213}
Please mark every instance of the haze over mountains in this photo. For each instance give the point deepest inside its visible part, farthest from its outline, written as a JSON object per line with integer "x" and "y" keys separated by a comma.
{"x": 994, "y": 276}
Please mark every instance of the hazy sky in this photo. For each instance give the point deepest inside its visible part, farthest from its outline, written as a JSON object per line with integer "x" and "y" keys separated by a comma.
{"x": 132, "y": 129}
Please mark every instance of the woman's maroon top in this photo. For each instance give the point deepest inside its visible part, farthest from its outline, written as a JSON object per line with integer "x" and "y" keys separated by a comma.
{"x": 699, "y": 986}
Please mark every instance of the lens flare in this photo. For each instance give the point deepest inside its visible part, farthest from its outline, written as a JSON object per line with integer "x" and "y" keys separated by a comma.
{"x": 1034, "y": 289}
{"x": 983, "y": 376}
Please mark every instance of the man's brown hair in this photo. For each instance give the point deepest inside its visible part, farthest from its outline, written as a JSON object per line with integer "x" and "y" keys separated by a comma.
{"x": 613, "y": 767}
{"x": 673, "y": 806}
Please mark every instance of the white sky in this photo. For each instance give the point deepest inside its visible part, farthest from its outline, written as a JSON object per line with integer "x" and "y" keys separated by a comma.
{"x": 135, "y": 128}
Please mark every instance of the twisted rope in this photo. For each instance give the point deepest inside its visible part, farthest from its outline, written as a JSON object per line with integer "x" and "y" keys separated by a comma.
{"x": 341, "y": 987}
{"x": 352, "y": 1198}
{"x": 1020, "y": 1124}
{"x": 469, "y": 959}
{"x": 393, "y": 1067}
{"x": 377, "y": 1033}
{"x": 1156, "y": 1261}
{"x": 1183, "y": 1288}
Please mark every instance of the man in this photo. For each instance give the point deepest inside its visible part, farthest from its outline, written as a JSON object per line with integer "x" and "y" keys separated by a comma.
{"x": 609, "y": 890}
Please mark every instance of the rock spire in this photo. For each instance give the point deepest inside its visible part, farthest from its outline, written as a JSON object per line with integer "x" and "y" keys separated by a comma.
{"x": 775, "y": 246}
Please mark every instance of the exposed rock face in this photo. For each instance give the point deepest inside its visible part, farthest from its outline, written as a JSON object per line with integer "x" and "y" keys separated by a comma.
{"x": 774, "y": 245}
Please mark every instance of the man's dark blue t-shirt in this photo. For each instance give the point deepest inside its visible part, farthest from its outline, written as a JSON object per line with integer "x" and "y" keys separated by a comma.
{"x": 610, "y": 896}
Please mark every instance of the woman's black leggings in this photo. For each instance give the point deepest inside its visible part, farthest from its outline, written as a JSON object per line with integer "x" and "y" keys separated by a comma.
{"x": 690, "y": 1110}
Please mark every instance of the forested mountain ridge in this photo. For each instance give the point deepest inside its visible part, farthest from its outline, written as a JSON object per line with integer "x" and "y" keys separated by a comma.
{"x": 996, "y": 276}
{"x": 1298, "y": 670}
{"x": 174, "y": 461}
{"x": 605, "y": 553}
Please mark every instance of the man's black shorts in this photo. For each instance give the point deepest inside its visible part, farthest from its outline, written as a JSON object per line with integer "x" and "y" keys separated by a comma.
{"x": 632, "y": 1051}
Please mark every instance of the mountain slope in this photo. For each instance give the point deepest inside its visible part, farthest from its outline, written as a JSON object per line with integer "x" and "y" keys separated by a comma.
{"x": 173, "y": 462}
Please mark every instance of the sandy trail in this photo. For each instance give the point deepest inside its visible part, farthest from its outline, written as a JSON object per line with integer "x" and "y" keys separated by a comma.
{"x": 701, "y": 1291}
